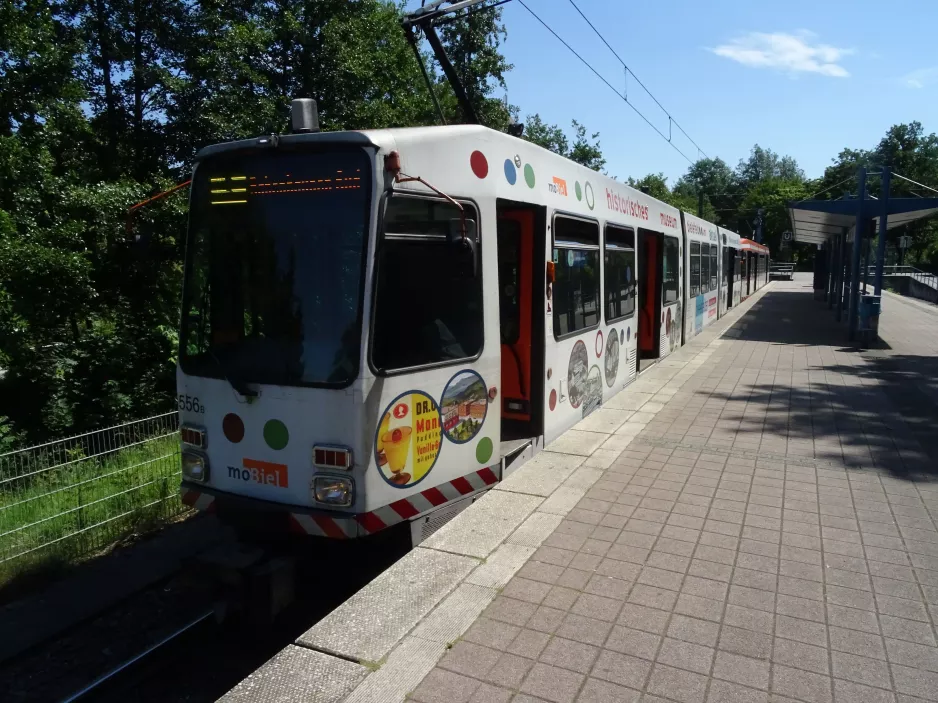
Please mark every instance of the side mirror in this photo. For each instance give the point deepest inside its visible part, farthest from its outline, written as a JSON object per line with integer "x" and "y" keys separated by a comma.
{"x": 465, "y": 242}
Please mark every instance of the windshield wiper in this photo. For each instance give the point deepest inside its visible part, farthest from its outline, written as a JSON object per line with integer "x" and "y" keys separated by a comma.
{"x": 238, "y": 385}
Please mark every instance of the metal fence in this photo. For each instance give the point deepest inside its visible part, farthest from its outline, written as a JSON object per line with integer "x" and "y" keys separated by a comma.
{"x": 69, "y": 497}
{"x": 929, "y": 279}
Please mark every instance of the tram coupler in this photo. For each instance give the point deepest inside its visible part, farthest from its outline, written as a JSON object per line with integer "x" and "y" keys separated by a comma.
{"x": 248, "y": 580}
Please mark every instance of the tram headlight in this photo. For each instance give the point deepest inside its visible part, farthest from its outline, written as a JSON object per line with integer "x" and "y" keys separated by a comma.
{"x": 333, "y": 490}
{"x": 195, "y": 467}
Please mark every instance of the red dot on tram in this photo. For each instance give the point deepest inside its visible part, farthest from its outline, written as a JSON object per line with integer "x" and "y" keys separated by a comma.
{"x": 553, "y": 399}
{"x": 480, "y": 166}
{"x": 233, "y": 427}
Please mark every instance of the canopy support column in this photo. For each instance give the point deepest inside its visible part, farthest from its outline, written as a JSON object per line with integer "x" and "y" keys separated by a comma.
{"x": 855, "y": 256}
{"x": 881, "y": 245}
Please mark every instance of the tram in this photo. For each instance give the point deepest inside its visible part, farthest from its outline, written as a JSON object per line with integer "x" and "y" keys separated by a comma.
{"x": 377, "y": 326}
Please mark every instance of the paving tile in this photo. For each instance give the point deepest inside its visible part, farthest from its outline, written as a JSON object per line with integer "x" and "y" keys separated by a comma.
{"x": 863, "y": 644}
{"x": 746, "y": 642}
{"x": 726, "y": 692}
{"x": 693, "y": 630}
{"x": 597, "y": 607}
{"x": 848, "y": 692}
{"x": 801, "y": 685}
{"x": 584, "y": 629}
{"x": 486, "y": 693}
{"x": 801, "y": 656}
{"x": 597, "y": 691}
{"x": 621, "y": 669}
{"x": 570, "y": 654}
{"x": 641, "y": 618}
{"x": 915, "y": 681}
{"x": 653, "y": 597}
{"x": 913, "y": 655}
{"x": 491, "y": 633}
{"x": 801, "y": 630}
{"x": 686, "y": 655}
{"x": 441, "y": 686}
{"x": 514, "y": 612}
{"x": 910, "y": 630}
{"x": 851, "y": 667}
{"x": 742, "y": 670}
{"x": 633, "y": 642}
{"x": 749, "y": 619}
{"x": 529, "y": 643}
{"x": 695, "y": 606}
{"x": 677, "y": 684}
{"x": 552, "y": 683}
{"x": 509, "y": 671}
{"x": 469, "y": 659}
{"x": 853, "y": 619}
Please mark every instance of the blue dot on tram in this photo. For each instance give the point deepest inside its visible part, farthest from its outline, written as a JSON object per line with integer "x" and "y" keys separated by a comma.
{"x": 511, "y": 175}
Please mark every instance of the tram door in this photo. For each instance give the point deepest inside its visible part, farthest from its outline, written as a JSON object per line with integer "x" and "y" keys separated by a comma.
{"x": 519, "y": 296}
{"x": 729, "y": 266}
{"x": 649, "y": 294}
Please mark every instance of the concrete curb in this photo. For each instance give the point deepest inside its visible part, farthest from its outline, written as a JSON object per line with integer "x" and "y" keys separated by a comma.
{"x": 401, "y": 624}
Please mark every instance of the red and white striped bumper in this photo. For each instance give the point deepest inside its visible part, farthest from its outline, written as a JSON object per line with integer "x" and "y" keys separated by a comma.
{"x": 385, "y": 516}
{"x": 341, "y": 527}
{"x": 198, "y": 500}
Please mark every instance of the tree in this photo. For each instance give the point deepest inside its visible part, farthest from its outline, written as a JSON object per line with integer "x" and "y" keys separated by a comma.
{"x": 584, "y": 151}
{"x": 764, "y": 164}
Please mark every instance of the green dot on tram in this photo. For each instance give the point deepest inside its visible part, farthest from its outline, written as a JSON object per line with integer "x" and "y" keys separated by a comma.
{"x": 275, "y": 434}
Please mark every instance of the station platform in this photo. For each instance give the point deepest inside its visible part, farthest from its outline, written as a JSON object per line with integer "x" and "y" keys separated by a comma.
{"x": 753, "y": 519}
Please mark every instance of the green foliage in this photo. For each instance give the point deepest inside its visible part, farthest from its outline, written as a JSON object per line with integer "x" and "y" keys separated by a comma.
{"x": 585, "y": 150}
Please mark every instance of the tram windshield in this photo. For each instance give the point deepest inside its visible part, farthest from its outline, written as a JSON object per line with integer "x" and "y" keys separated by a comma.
{"x": 274, "y": 267}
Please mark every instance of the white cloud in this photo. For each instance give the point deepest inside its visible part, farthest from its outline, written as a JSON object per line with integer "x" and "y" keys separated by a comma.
{"x": 920, "y": 78}
{"x": 790, "y": 53}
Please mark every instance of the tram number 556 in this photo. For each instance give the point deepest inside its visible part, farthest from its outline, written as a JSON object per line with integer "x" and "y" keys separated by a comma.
{"x": 191, "y": 403}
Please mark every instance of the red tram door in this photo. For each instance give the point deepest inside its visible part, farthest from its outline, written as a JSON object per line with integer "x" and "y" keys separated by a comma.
{"x": 515, "y": 296}
{"x": 649, "y": 294}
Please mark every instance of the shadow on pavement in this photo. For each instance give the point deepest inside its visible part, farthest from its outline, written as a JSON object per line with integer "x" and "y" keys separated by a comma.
{"x": 870, "y": 409}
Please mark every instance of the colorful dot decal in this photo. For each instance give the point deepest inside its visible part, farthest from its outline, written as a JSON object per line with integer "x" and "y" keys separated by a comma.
{"x": 480, "y": 166}
{"x": 590, "y": 200}
{"x": 233, "y": 427}
{"x": 529, "y": 175}
{"x": 579, "y": 191}
{"x": 511, "y": 174}
{"x": 553, "y": 399}
{"x": 275, "y": 434}
{"x": 484, "y": 450}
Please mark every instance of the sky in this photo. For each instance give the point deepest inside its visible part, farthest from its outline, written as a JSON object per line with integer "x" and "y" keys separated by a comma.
{"x": 806, "y": 78}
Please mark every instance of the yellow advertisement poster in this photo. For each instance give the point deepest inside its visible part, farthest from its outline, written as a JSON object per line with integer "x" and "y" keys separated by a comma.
{"x": 408, "y": 439}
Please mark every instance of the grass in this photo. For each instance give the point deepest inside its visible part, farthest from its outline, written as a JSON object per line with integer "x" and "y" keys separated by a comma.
{"x": 62, "y": 511}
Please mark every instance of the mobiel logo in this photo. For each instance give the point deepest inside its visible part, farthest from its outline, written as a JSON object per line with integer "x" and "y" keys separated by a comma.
{"x": 265, "y": 473}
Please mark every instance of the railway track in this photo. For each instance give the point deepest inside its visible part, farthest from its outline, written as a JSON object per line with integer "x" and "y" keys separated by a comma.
{"x": 102, "y": 684}
{"x": 183, "y": 641}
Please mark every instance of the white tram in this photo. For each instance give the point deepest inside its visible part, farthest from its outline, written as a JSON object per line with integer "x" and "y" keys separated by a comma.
{"x": 377, "y": 326}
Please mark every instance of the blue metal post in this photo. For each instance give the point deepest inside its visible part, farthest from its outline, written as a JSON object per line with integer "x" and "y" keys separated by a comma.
{"x": 854, "y": 308}
{"x": 881, "y": 246}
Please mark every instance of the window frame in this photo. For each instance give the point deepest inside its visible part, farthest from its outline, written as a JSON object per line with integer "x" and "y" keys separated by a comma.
{"x": 379, "y": 239}
{"x": 605, "y": 247}
{"x": 677, "y": 269}
{"x": 714, "y": 270}
{"x": 692, "y": 291}
{"x": 581, "y": 247}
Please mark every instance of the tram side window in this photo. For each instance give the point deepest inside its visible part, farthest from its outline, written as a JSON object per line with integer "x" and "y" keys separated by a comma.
{"x": 576, "y": 298}
{"x": 694, "y": 269}
{"x": 704, "y": 268}
{"x": 427, "y": 304}
{"x": 713, "y": 267}
{"x": 671, "y": 278}
{"x": 619, "y": 272}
